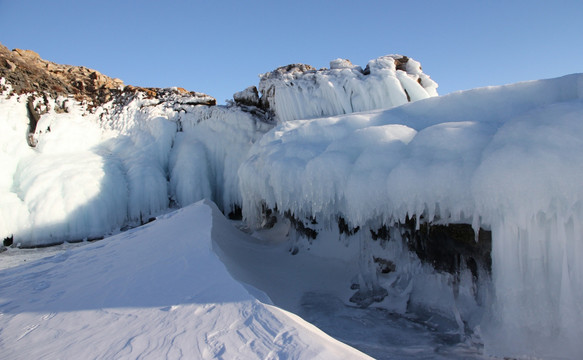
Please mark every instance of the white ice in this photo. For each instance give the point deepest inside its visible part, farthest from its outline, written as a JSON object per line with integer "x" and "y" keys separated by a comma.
{"x": 344, "y": 88}
{"x": 92, "y": 173}
{"x": 509, "y": 158}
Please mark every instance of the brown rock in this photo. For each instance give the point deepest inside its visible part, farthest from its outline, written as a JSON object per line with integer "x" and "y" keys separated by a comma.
{"x": 11, "y": 66}
{"x": 26, "y": 72}
{"x": 27, "y": 54}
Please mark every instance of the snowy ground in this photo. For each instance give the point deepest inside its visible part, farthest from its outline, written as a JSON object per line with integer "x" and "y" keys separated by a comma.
{"x": 159, "y": 291}
{"x": 315, "y": 284}
{"x": 154, "y": 292}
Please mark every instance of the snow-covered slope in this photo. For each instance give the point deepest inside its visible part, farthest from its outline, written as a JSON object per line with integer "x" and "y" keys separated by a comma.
{"x": 155, "y": 292}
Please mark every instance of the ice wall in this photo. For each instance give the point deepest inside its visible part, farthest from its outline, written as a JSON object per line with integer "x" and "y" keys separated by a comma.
{"x": 208, "y": 152}
{"x": 528, "y": 186}
{"x": 509, "y": 158}
{"x": 301, "y": 92}
{"x": 13, "y": 147}
{"x": 93, "y": 172}
{"x": 389, "y": 163}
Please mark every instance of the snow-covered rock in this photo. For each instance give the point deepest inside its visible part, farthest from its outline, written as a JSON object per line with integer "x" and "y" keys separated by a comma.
{"x": 300, "y": 91}
{"x": 28, "y": 73}
{"x": 249, "y": 97}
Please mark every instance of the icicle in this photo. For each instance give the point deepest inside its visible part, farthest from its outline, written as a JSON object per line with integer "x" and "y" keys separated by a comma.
{"x": 369, "y": 290}
{"x": 476, "y": 225}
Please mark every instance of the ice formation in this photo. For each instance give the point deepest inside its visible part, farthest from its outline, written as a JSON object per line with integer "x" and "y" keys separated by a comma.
{"x": 300, "y": 91}
{"x": 507, "y": 158}
{"x": 416, "y": 158}
{"x": 147, "y": 149}
{"x": 93, "y": 172}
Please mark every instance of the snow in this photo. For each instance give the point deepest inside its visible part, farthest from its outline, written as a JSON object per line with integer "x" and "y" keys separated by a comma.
{"x": 299, "y": 92}
{"x": 161, "y": 282}
{"x": 158, "y": 291}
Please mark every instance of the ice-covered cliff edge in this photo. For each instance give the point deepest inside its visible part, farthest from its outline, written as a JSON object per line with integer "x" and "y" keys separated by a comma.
{"x": 508, "y": 158}
{"x": 300, "y": 91}
{"x": 423, "y": 157}
{"x": 92, "y": 172}
{"x": 85, "y": 155}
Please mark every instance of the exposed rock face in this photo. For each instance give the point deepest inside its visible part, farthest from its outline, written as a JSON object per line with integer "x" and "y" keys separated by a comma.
{"x": 26, "y": 72}
{"x": 247, "y": 97}
{"x": 450, "y": 247}
{"x": 284, "y": 74}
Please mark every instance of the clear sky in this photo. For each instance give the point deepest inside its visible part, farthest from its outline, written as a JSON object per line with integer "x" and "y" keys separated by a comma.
{"x": 220, "y": 47}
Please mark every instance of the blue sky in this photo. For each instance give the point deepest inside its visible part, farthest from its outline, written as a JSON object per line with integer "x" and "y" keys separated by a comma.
{"x": 220, "y": 47}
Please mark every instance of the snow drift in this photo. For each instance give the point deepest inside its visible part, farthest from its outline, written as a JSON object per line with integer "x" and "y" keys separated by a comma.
{"x": 158, "y": 291}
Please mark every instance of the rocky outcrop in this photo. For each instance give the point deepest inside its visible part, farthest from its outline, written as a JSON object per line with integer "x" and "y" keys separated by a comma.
{"x": 284, "y": 74}
{"x": 247, "y": 97}
{"x": 450, "y": 247}
{"x": 26, "y": 72}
